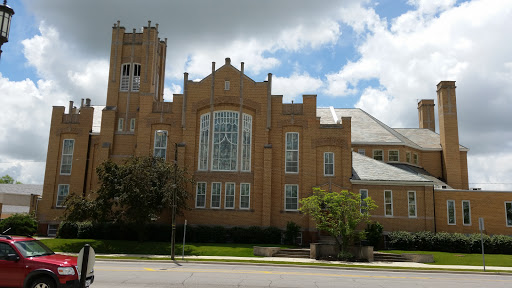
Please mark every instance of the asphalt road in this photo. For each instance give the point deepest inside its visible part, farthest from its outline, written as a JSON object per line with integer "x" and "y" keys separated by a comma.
{"x": 157, "y": 274}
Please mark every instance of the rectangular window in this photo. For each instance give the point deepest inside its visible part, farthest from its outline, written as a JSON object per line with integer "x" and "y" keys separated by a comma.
{"x": 364, "y": 194}
{"x": 466, "y": 213}
{"x": 245, "y": 195}
{"x": 132, "y": 125}
{"x": 508, "y": 213}
{"x": 216, "y": 195}
{"x": 292, "y": 152}
{"x": 291, "y": 197}
{"x": 201, "y": 195}
{"x": 412, "y": 204}
{"x": 246, "y": 143}
{"x": 328, "y": 164}
{"x": 160, "y": 143}
{"x": 62, "y": 193}
{"x": 225, "y": 141}
{"x": 136, "y": 78}
{"x": 120, "y": 124}
{"x": 450, "y": 208}
{"x": 378, "y": 155}
{"x": 408, "y": 157}
{"x": 415, "y": 158}
{"x": 361, "y": 151}
{"x": 67, "y": 156}
{"x": 203, "y": 141}
{"x": 388, "y": 202}
{"x": 393, "y": 156}
{"x": 52, "y": 230}
{"x": 226, "y": 85}
{"x": 229, "y": 201}
{"x": 125, "y": 77}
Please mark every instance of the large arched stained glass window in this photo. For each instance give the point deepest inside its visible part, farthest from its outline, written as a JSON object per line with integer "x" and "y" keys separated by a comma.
{"x": 225, "y": 141}
{"x": 225, "y": 149}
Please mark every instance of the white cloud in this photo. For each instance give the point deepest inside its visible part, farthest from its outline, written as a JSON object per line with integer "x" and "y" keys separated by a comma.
{"x": 480, "y": 167}
{"x": 294, "y": 86}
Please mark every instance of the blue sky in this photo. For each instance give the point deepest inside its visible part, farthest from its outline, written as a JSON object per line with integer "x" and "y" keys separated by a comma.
{"x": 380, "y": 56}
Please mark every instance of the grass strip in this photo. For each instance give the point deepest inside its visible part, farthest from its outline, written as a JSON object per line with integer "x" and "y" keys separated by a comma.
{"x": 447, "y": 258}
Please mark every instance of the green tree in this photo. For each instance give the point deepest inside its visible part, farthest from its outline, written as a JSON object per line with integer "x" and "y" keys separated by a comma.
{"x": 6, "y": 179}
{"x": 339, "y": 214}
{"x": 19, "y": 224}
{"x": 134, "y": 192}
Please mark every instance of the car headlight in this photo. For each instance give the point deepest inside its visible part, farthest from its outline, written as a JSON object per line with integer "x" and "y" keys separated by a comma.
{"x": 66, "y": 271}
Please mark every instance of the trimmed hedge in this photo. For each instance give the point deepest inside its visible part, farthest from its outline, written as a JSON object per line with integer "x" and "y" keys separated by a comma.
{"x": 450, "y": 242}
{"x": 162, "y": 233}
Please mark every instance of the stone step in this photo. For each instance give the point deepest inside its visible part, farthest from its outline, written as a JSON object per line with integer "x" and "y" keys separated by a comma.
{"x": 293, "y": 253}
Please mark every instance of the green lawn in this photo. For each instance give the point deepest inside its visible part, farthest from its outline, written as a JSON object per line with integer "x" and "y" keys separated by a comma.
{"x": 154, "y": 248}
{"x": 445, "y": 258}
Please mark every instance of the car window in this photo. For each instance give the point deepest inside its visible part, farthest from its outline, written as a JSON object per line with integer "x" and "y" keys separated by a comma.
{"x": 33, "y": 248}
{"x": 5, "y": 249}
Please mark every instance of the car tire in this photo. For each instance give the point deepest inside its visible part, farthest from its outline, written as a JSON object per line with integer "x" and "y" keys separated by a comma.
{"x": 43, "y": 282}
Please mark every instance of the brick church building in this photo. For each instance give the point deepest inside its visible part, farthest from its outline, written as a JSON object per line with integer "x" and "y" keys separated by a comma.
{"x": 254, "y": 157}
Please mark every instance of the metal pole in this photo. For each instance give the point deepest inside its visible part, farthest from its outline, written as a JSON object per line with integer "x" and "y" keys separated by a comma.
{"x": 85, "y": 263}
{"x": 184, "y": 233}
{"x": 173, "y": 236}
{"x": 482, "y": 227}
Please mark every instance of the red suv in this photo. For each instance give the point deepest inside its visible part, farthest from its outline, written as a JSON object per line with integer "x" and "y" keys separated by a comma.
{"x": 28, "y": 263}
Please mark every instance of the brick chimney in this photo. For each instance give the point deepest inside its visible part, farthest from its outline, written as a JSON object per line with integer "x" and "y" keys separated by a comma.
{"x": 449, "y": 132}
{"x": 426, "y": 114}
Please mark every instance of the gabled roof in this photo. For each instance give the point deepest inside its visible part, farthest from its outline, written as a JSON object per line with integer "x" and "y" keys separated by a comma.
{"x": 368, "y": 169}
{"x": 366, "y": 129}
{"x": 21, "y": 189}
{"x": 227, "y": 65}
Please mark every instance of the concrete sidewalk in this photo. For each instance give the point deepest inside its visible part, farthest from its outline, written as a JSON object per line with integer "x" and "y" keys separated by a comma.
{"x": 390, "y": 265}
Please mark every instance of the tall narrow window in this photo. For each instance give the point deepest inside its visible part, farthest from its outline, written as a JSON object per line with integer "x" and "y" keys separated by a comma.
{"x": 62, "y": 193}
{"x": 246, "y": 143}
{"x": 508, "y": 213}
{"x": 226, "y": 85}
{"x": 364, "y": 194}
{"x": 412, "y": 204}
{"x": 466, "y": 212}
{"x": 125, "y": 77}
{"x": 450, "y": 208}
{"x": 225, "y": 141}
{"x": 415, "y": 158}
{"x": 136, "y": 77}
{"x": 328, "y": 164}
{"x": 378, "y": 155}
{"x": 203, "y": 142}
{"x": 229, "y": 202}
{"x": 216, "y": 195}
{"x": 408, "y": 157}
{"x": 67, "y": 156}
{"x": 120, "y": 124}
{"x": 292, "y": 152}
{"x": 388, "y": 203}
{"x": 245, "y": 195}
{"x": 201, "y": 195}
{"x": 160, "y": 143}
{"x": 291, "y": 197}
{"x": 132, "y": 124}
{"x": 393, "y": 156}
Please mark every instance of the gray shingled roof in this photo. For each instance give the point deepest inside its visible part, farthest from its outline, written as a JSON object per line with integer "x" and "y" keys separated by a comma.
{"x": 368, "y": 169}
{"x": 366, "y": 129}
{"x": 21, "y": 189}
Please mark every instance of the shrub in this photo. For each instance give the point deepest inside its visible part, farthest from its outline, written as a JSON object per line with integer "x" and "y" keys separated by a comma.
{"x": 272, "y": 235}
{"x": 68, "y": 230}
{"x": 401, "y": 240}
{"x": 424, "y": 240}
{"x": 291, "y": 232}
{"x": 20, "y": 224}
{"x": 374, "y": 234}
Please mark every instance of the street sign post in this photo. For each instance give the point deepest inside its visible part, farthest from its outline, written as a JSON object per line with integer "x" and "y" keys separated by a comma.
{"x": 482, "y": 228}
{"x": 85, "y": 263}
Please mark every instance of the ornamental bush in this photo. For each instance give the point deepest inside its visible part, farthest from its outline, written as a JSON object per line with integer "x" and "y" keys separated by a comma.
{"x": 19, "y": 224}
{"x": 450, "y": 242}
